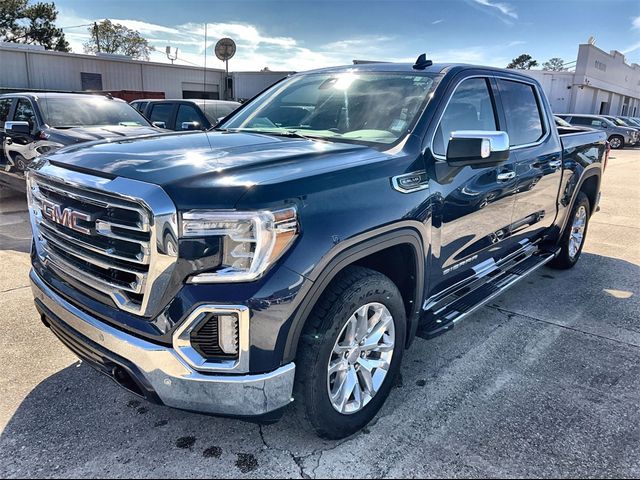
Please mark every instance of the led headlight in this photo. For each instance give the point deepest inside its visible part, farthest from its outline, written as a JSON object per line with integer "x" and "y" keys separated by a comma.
{"x": 252, "y": 241}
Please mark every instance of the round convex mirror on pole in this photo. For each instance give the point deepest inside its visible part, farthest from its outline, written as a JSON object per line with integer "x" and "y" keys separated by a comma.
{"x": 224, "y": 50}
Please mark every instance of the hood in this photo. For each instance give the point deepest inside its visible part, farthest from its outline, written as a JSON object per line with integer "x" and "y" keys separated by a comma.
{"x": 69, "y": 136}
{"x": 218, "y": 163}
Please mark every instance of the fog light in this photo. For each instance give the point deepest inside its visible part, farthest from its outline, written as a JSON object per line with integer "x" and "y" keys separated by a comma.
{"x": 228, "y": 334}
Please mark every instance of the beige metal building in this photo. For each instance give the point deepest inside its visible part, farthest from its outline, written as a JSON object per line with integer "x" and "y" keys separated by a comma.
{"x": 602, "y": 83}
{"x": 33, "y": 68}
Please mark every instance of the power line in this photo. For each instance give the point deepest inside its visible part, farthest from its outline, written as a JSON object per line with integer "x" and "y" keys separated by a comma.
{"x": 77, "y": 26}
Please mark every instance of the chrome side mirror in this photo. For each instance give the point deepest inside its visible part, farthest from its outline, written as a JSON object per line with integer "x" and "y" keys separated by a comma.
{"x": 477, "y": 148}
{"x": 159, "y": 124}
{"x": 190, "y": 126}
{"x": 19, "y": 129}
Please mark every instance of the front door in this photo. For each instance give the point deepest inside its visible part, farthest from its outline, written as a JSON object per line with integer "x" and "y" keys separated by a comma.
{"x": 476, "y": 204}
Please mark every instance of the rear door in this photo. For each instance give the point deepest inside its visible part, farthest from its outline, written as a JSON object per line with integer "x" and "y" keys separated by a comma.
{"x": 536, "y": 146}
{"x": 476, "y": 203}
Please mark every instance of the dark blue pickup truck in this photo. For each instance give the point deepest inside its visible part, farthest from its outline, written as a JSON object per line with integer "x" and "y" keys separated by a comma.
{"x": 295, "y": 252}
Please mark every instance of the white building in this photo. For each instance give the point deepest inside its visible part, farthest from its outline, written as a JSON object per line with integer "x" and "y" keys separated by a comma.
{"x": 29, "y": 68}
{"x": 602, "y": 83}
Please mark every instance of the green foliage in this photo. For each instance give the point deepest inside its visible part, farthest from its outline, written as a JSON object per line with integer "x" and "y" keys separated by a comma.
{"x": 554, "y": 64}
{"x": 31, "y": 24}
{"x": 109, "y": 37}
{"x": 523, "y": 62}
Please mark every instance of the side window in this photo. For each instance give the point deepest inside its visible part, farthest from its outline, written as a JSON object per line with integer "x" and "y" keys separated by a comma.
{"x": 470, "y": 108}
{"x": 597, "y": 123}
{"x": 24, "y": 113}
{"x": 140, "y": 106}
{"x": 187, "y": 113}
{"x": 161, "y": 112}
{"x": 521, "y": 108}
{"x": 580, "y": 121}
{"x": 5, "y": 106}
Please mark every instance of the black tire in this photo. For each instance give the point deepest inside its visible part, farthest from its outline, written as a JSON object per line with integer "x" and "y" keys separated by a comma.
{"x": 565, "y": 259}
{"x": 616, "y": 140}
{"x": 20, "y": 162}
{"x": 351, "y": 289}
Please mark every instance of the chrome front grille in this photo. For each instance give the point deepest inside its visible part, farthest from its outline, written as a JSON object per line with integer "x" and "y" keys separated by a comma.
{"x": 117, "y": 237}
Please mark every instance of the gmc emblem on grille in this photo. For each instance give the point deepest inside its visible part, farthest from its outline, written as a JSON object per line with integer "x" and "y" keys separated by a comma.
{"x": 67, "y": 217}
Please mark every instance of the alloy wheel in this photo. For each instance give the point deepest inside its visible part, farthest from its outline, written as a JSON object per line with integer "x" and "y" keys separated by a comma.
{"x": 577, "y": 231}
{"x": 361, "y": 357}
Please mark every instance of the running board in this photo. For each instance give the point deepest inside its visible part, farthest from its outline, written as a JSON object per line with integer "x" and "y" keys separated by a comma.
{"x": 434, "y": 323}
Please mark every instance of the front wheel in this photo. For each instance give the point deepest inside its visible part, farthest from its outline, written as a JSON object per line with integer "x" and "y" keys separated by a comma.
{"x": 616, "y": 142}
{"x": 573, "y": 238}
{"x": 351, "y": 352}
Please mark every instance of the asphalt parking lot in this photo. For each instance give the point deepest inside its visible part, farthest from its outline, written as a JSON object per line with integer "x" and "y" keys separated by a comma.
{"x": 545, "y": 381}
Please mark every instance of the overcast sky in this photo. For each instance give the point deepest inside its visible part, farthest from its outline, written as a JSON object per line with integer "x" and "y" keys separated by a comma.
{"x": 305, "y": 34}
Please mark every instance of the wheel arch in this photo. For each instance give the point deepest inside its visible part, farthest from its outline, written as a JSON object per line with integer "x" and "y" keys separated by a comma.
{"x": 369, "y": 252}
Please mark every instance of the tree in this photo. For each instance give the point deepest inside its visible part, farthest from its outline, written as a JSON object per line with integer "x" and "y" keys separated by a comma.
{"x": 523, "y": 62}
{"x": 111, "y": 37}
{"x": 31, "y": 24}
{"x": 554, "y": 64}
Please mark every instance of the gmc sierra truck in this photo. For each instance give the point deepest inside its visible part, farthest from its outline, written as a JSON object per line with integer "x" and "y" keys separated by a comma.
{"x": 294, "y": 252}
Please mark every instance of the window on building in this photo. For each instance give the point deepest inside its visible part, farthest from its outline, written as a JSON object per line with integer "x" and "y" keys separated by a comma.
{"x": 523, "y": 112}
{"x": 91, "y": 81}
{"x": 470, "y": 108}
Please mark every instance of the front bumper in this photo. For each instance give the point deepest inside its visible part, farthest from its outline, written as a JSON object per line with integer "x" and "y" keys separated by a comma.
{"x": 157, "y": 372}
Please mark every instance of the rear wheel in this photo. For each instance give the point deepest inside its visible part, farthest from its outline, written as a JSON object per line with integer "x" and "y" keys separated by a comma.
{"x": 573, "y": 238}
{"x": 351, "y": 352}
{"x": 616, "y": 142}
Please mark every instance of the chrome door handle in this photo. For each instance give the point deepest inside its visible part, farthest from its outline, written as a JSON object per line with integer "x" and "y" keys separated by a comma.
{"x": 555, "y": 164}
{"x": 504, "y": 176}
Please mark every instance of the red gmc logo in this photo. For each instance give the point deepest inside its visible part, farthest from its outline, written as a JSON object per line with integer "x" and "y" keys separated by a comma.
{"x": 67, "y": 217}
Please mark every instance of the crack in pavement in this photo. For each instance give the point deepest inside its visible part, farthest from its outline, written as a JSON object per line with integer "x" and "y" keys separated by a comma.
{"x": 511, "y": 314}
{"x": 299, "y": 459}
{"x": 15, "y": 288}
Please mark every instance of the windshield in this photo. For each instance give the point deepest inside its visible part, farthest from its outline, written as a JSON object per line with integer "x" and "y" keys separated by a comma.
{"x": 562, "y": 123}
{"x": 619, "y": 122}
{"x": 89, "y": 111}
{"x": 360, "y": 107}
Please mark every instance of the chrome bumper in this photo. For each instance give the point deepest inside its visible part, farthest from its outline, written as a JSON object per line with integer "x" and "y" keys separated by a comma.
{"x": 170, "y": 379}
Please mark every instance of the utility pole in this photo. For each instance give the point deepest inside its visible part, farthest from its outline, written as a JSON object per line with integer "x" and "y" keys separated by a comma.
{"x": 95, "y": 31}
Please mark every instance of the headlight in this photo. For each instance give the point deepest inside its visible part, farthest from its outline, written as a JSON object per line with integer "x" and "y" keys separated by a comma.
{"x": 251, "y": 241}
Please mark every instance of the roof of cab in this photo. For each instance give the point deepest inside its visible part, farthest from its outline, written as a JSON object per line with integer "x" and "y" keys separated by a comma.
{"x": 37, "y": 95}
{"x": 436, "y": 68}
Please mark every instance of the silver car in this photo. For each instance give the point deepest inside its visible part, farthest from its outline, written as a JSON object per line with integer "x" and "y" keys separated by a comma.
{"x": 619, "y": 136}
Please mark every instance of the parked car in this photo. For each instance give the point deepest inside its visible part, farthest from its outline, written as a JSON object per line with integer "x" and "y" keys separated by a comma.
{"x": 185, "y": 114}
{"x": 618, "y": 135}
{"x": 632, "y": 122}
{"x": 32, "y": 124}
{"x": 295, "y": 252}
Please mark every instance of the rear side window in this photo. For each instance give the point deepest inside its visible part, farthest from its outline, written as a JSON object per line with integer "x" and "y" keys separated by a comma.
{"x": 581, "y": 121}
{"x": 522, "y": 110}
{"x": 139, "y": 106}
{"x": 470, "y": 108}
{"x": 161, "y": 112}
{"x": 5, "y": 106}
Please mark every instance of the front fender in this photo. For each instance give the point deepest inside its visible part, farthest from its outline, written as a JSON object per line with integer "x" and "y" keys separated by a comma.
{"x": 346, "y": 253}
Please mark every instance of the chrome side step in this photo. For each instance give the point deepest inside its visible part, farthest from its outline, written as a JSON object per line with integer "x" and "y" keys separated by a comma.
{"x": 437, "y": 321}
